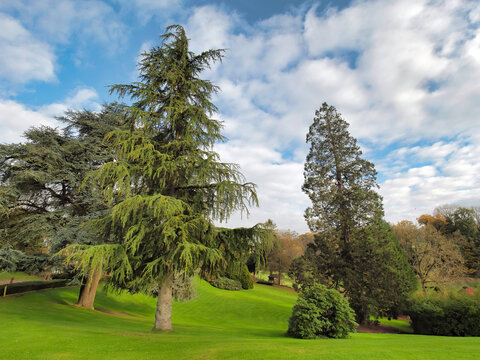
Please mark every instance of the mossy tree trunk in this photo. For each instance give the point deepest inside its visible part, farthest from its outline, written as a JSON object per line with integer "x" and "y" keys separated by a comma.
{"x": 163, "y": 314}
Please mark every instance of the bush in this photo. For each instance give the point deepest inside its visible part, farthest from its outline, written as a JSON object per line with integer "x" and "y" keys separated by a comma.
{"x": 226, "y": 284}
{"x": 451, "y": 315}
{"x": 240, "y": 274}
{"x": 321, "y": 312}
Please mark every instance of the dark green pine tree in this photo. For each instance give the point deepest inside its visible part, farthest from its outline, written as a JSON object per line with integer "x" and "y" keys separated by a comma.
{"x": 170, "y": 182}
{"x": 354, "y": 250}
{"x": 340, "y": 184}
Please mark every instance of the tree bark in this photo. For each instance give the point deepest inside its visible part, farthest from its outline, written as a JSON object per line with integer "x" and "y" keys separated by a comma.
{"x": 88, "y": 292}
{"x": 163, "y": 314}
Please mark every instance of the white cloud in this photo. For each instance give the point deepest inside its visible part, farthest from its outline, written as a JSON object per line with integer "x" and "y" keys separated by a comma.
{"x": 23, "y": 58}
{"x": 451, "y": 177}
{"x": 402, "y": 72}
{"x": 277, "y": 181}
{"x": 15, "y": 118}
{"x": 58, "y": 21}
{"x": 81, "y": 98}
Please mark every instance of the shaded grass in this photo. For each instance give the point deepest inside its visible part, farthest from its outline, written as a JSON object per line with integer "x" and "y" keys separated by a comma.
{"x": 402, "y": 325}
{"x": 217, "y": 324}
{"x": 19, "y": 276}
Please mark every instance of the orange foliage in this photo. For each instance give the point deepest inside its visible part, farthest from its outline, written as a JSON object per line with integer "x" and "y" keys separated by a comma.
{"x": 438, "y": 221}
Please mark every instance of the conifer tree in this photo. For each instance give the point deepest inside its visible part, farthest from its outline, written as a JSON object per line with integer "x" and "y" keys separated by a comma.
{"x": 340, "y": 184}
{"x": 169, "y": 182}
{"x": 354, "y": 249}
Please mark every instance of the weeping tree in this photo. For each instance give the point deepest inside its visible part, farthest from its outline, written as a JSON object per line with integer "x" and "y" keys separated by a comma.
{"x": 169, "y": 183}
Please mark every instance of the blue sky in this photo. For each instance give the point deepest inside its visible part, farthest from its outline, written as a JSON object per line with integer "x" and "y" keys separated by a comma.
{"x": 404, "y": 74}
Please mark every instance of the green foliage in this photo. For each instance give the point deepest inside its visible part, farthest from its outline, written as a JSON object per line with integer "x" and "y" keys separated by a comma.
{"x": 302, "y": 273}
{"x": 447, "y": 315}
{"x": 383, "y": 291}
{"x": 377, "y": 279}
{"x": 321, "y": 312}
{"x": 465, "y": 221}
{"x": 12, "y": 260}
{"x": 9, "y": 259}
{"x": 183, "y": 288}
{"x": 226, "y": 283}
{"x": 241, "y": 274}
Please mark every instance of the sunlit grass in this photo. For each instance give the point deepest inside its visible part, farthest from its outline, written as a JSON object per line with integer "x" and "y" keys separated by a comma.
{"x": 217, "y": 324}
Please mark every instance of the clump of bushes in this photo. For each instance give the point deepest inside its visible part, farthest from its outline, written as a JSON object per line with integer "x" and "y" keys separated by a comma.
{"x": 321, "y": 312}
{"x": 447, "y": 315}
{"x": 240, "y": 274}
{"x": 226, "y": 284}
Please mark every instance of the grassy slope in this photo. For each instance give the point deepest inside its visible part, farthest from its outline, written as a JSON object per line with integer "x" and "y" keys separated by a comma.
{"x": 218, "y": 324}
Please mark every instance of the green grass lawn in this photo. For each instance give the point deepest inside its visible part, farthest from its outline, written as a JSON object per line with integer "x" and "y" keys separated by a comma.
{"x": 263, "y": 275}
{"x": 218, "y": 324}
{"x": 18, "y": 276}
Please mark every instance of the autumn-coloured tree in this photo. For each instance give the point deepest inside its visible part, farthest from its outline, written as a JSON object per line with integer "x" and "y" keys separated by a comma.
{"x": 463, "y": 227}
{"x": 434, "y": 257}
{"x": 438, "y": 221}
{"x": 287, "y": 246}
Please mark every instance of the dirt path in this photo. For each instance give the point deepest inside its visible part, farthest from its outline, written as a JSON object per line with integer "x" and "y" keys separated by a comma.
{"x": 378, "y": 329}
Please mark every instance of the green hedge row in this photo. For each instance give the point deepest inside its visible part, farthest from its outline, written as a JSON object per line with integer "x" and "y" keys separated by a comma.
{"x": 226, "y": 284}
{"x": 451, "y": 315}
{"x": 25, "y": 286}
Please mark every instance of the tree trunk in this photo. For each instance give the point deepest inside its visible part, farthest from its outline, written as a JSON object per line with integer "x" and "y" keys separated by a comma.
{"x": 89, "y": 290}
{"x": 163, "y": 314}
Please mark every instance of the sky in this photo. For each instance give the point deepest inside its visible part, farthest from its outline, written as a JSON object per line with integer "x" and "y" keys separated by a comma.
{"x": 404, "y": 73}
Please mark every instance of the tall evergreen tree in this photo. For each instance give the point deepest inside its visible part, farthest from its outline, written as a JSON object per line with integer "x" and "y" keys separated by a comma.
{"x": 170, "y": 182}
{"x": 338, "y": 181}
{"x": 353, "y": 250}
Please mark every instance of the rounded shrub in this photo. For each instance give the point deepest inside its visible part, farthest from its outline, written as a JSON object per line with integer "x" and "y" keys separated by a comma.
{"x": 321, "y": 312}
{"x": 226, "y": 284}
